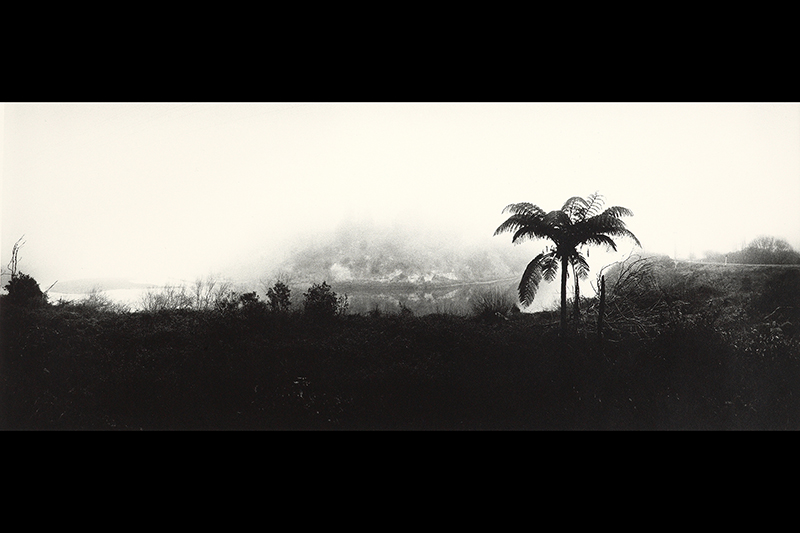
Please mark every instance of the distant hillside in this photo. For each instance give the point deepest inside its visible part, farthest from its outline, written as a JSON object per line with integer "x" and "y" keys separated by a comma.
{"x": 365, "y": 252}
{"x": 764, "y": 250}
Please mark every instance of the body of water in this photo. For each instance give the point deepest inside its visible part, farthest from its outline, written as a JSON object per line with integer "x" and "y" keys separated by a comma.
{"x": 362, "y": 297}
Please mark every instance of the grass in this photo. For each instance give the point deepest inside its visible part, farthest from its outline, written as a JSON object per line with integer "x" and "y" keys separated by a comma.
{"x": 494, "y": 303}
{"x": 690, "y": 350}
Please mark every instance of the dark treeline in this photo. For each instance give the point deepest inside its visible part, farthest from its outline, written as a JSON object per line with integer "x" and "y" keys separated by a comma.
{"x": 685, "y": 346}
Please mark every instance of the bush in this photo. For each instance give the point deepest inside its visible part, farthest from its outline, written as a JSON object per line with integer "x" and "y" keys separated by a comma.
{"x": 209, "y": 292}
{"x": 98, "y": 301}
{"x": 169, "y": 298}
{"x": 279, "y": 297}
{"x": 226, "y": 301}
{"x": 250, "y": 304}
{"x": 637, "y": 279}
{"x": 23, "y": 290}
{"x": 320, "y": 302}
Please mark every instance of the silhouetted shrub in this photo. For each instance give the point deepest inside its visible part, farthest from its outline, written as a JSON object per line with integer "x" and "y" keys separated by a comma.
{"x": 279, "y": 297}
{"x": 319, "y": 301}
{"x": 23, "y": 290}
{"x": 250, "y": 305}
{"x": 249, "y": 299}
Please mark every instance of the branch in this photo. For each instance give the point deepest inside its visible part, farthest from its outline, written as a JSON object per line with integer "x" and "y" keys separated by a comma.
{"x": 779, "y": 308}
{"x": 12, "y": 265}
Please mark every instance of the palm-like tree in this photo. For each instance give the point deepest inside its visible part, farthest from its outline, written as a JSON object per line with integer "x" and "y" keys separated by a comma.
{"x": 580, "y": 222}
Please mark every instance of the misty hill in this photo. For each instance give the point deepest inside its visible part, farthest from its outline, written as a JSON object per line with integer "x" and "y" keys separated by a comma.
{"x": 362, "y": 251}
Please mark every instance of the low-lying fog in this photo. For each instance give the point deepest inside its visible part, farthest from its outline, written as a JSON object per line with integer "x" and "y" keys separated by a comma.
{"x": 375, "y": 264}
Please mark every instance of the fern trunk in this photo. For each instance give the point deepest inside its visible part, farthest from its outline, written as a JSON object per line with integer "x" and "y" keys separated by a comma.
{"x": 564, "y": 294}
{"x": 602, "y": 311}
{"x": 576, "y": 313}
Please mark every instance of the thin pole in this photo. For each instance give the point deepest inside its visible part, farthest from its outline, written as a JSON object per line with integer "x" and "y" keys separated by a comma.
{"x": 601, "y": 312}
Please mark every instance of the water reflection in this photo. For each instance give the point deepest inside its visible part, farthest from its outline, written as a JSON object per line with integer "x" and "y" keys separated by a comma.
{"x": 427, "y": 299}
{"x": 363, "y": 297}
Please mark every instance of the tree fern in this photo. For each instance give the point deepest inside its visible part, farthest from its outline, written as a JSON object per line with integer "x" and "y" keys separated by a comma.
{"x": 579, "y": 222}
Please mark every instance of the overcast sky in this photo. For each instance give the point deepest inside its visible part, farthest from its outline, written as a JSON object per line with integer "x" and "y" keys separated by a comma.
{"x": 157, "y": 190}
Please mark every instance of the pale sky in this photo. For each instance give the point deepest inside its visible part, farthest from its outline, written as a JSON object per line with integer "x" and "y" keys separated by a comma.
{"x": 183, "y": 190}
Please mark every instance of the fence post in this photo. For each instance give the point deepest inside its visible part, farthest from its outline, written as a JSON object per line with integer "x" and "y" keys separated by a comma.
{"x": 601, "y": 311}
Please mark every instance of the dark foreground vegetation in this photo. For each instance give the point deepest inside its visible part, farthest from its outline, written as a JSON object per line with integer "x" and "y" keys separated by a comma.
{"x": 685, "y": 347}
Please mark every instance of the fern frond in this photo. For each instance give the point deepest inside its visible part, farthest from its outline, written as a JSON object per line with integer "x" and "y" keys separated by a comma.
{"x": 610, "y": 225}
{"x": 513, "y": 223}
{"x": 523, "y": 234}
{"x": 602, "y": 223}
{"x": 623, "y": 232}
{"x": 569, "y": 206}
{"x": 529, "y": 283}
{"x": 580, "y": 265}
{"x": 550, "y": 266}
{"x": 524, "y": 208}
{"x": 618, "y": 211}
{"x": 557, "y": 219}
{"x": 535, "y": 229}
{"x": 593, "y": 205}
{"x": 600, "y": 239}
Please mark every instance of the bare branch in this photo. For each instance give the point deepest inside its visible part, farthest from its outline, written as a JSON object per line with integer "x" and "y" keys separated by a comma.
{"x": 13, "y": 264}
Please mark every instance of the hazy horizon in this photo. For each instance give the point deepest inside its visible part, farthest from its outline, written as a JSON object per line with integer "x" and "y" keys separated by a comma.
{"x": 140, "y": 190}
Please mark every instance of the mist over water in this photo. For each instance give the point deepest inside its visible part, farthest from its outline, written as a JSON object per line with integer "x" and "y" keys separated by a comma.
{"x": 383, "y": 267}
{"x": 385, "y": 193}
